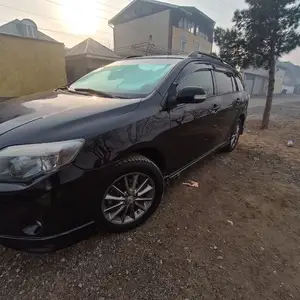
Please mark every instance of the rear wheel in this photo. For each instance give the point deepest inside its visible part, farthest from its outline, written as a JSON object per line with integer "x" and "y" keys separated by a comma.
{"x": 234, "y": 137}
{"x": 131, "y": 195}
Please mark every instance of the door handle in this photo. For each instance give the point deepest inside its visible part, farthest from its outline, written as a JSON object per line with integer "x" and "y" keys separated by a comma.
{"x": 215, "y": 108}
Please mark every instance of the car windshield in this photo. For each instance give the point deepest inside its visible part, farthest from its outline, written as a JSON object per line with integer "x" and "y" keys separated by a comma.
{"x": 132, "y": 78}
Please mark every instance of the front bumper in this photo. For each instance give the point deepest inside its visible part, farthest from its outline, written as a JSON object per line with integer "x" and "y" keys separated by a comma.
{"x": 48, "y": 243}
{"x": 52, "y": 213}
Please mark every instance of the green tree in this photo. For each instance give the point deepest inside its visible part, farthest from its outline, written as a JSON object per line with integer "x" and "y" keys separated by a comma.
{"x": 261, "y": 34}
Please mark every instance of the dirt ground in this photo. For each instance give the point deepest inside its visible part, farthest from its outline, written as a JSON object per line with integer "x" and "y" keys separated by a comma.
{"x": 237, "y": 236}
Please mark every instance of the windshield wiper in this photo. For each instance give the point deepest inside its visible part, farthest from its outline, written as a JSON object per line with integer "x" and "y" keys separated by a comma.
{"x": 95, "y": 92}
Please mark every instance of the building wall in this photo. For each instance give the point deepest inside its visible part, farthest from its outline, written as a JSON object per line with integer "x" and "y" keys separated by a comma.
{"x": 279, "y": 80}
{"x": 79, "y": 66}
{"x": 29, "y": 65}
{"x": 76, "y": 68}
{"x": 138, "y": 31}
{"x": 256, "y": 80}
{"x": 192, "y": 42}
{"x": 287, "y": 89}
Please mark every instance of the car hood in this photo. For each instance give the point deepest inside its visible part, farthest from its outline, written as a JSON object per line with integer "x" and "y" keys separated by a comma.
{"x": 20, "y": 111}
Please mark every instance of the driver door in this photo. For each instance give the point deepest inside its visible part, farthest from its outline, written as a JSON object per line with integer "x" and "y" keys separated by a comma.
{"x": 194, "y": 127}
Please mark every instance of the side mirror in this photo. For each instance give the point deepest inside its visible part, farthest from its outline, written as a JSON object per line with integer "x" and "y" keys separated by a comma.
{"x": 191, "y": 95}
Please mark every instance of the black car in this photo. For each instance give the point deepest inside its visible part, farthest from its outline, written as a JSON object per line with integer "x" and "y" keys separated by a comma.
{"x": 99, "y": 151}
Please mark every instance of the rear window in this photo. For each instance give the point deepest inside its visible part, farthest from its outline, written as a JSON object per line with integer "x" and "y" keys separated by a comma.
{"x": 128, "y": 78}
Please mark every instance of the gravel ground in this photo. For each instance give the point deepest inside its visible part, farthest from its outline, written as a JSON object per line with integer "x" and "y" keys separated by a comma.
{"x": 235, "y": 237}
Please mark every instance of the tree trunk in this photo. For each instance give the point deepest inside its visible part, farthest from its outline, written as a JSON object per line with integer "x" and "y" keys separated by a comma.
{"x": 266, "y": 116}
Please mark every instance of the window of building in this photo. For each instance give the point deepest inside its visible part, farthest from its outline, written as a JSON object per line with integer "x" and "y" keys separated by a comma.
{"x": 30, "y": 32}
{"x": 201, "y": 78}
{"x": 224, "y": 83}
{"x": 191, "y": 27}
{"x": 197, "y": 46}
{"x": 186, "y": 25}
{"x": 180, "y": 23}
{"x": 183, "y": 44}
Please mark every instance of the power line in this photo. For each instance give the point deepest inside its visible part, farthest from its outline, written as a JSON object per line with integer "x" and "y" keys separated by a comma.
{"x": 23, "y": 10}
{"x": 61, "y": 4}
{"x": 58, "y": 31}
{"x": 48, "y": 17}
{"x": 60, "y": 21}
{"x": 54, "y": 2}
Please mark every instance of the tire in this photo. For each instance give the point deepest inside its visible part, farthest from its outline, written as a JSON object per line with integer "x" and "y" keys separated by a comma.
{"x": 236, "y": 132}
{"x": 129, "y": 168}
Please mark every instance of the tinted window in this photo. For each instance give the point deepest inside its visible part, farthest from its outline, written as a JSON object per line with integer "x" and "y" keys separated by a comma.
{"x": 239, "y": 83}
{"x": 201, "y": 78}
{"x": 132, "y": 78}
{"x": 224, "y": 83}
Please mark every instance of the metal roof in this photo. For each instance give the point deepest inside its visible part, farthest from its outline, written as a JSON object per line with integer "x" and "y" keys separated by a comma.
{"x": 92, "y": 48}
{"x": 17, "y": 28}
{"x": 187, "y": 9}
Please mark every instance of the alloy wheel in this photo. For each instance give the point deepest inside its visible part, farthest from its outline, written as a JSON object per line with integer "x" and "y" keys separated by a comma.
{"x": 128, "y": 198}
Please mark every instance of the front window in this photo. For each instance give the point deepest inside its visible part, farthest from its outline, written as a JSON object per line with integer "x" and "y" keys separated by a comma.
{"x": 132, "y": 78}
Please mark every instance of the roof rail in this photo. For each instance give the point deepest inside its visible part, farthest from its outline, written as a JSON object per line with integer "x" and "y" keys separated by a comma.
{"x": 132, "y": 56}
{"x": 198, "y": 53}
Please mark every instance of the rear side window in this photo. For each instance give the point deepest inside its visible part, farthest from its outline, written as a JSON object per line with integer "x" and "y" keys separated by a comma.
{"x": 224, "y": 83}
{"x": 201, "y": 78}
{"x": 239, "y": 83}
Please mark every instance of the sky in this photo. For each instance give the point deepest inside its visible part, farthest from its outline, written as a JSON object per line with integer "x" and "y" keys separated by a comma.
{"x": 72, "y": 21}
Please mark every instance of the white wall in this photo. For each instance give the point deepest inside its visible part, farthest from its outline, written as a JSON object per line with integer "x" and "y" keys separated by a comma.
{"x": 259, "y": 83}
{"x": 138, "y": 31}
{"x": 289, "y": 89}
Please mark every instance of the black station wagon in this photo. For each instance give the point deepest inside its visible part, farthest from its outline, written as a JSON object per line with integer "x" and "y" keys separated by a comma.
{"x": 99, "y": 151}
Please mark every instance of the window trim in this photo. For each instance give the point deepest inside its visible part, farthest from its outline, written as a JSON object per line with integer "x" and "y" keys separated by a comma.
{"x": 242, "y": 82}
{"x": 235, "y": 85}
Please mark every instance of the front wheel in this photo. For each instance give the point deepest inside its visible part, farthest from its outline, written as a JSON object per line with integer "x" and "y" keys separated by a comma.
{"x": 234, "y": 137}
{"x": 131, "y": 195}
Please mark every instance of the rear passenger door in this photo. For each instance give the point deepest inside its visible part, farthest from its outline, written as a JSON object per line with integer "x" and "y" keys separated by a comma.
{"x": 228, "y": 95}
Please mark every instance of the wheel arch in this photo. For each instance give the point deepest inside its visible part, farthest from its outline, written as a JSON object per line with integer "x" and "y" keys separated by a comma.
{"x": 151, "y": 152}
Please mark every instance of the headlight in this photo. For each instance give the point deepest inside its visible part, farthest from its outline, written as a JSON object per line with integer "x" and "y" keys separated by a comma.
{"x": 23, "y": 162}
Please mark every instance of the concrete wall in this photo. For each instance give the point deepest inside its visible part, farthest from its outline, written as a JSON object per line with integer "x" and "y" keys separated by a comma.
{"x": 138, "y": 31}
{"x": 79, "y": 66}
{"x": 256, "y": 71}
{"x": 288, "y": 89}
{"x": 256, "y": 80}
{"x": 29, "y": 65}
{"x": 191, "y": 39}
{"x": 279, "y": 80}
